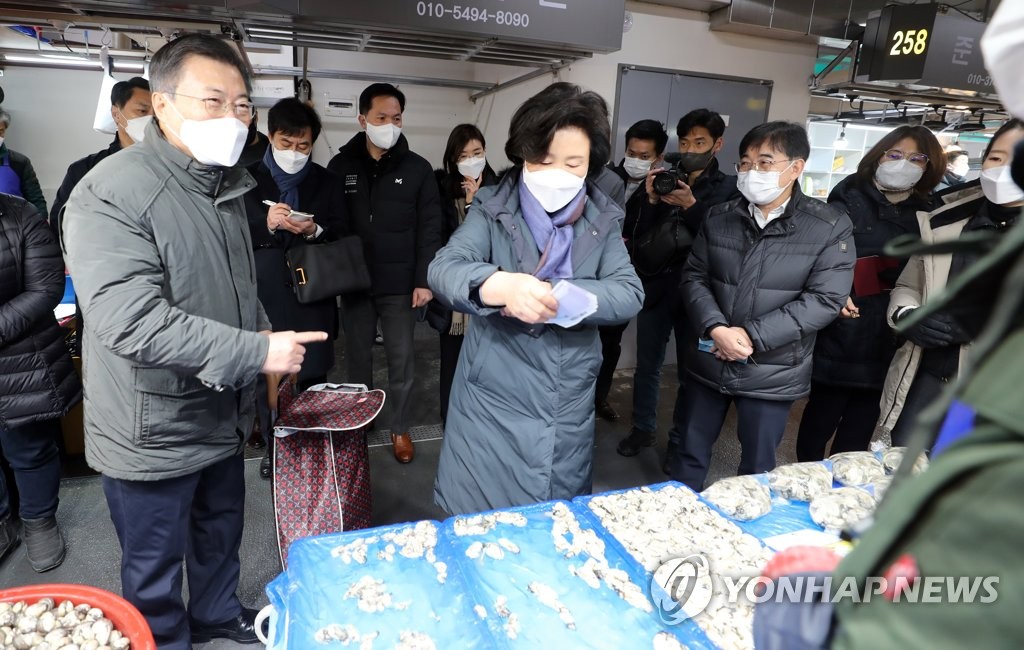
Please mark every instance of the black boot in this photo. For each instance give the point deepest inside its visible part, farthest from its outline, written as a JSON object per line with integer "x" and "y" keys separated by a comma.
{"x": 8, "y": 537}
{"x": 635, "y": 441}
{"x": 266, "y": 465}
{"x": 44, "y": 542}
{"x": 605, "y": 411}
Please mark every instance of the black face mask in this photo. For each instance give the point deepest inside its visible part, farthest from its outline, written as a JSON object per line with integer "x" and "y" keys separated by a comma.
{"x": 1017, "y": 166}
{"x": 690, "y": 162}
{"x": 253, "y": 150}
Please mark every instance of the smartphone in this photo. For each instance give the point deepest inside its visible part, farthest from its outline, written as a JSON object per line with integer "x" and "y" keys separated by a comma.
{"x": 300, "y": 216}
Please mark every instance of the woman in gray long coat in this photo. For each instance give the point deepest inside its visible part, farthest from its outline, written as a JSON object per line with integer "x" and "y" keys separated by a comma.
{"x": 520, "y": 424}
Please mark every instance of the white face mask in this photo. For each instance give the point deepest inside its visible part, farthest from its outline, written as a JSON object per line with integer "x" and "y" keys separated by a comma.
{"x": 760, "y": 188}
{"x": 383, "y": 135}
{"x": 136, "y": 127}
{"x": 472, "y": 167}
{"x": 998, "y": 186}
{"x": 1003, "y": 49}
{"x": 289, "y": 160}
{"x": 636, "y": 168}
{"x": 553, "y": 188}
{"x": 217, "y": 141}
{"x": 898, "y": 174}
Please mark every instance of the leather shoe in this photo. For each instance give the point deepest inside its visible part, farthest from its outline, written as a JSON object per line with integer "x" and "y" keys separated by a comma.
{"x": 634, "y": 442}
{"x": 403, "y": 447}
{"x": 240, "y": 629}
{"x": 266, "y": 469}
{"x": 605, "y": 411}
{"x": 256, "y": 441}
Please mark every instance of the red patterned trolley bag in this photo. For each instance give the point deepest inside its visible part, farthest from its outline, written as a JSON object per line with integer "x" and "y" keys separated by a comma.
{"x": 321, "y": 461}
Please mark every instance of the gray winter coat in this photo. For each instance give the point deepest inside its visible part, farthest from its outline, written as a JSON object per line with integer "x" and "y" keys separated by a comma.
{"x": 159, "y": 250}
{"x": 781, "y": 285}
{"x": 520, "y": 424}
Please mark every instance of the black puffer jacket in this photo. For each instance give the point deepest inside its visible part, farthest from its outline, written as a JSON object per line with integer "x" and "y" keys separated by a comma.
{"x": 37, "y": 380}
{"x": 395, "y": 209}
{"x": 712, "y": 187}
{"x": 856, "y": 352}
{"x": 781, "y": 285}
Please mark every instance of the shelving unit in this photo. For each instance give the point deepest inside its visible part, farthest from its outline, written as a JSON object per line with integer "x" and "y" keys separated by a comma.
{"x": 828, "y": 163}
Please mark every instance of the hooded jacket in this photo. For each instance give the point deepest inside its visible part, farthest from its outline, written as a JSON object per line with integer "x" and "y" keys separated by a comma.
{"x": 856, "y": 352}
{"x": 158, "y": 246}
{"x": 782, "y": 285}
{"x": 37, "y": 379}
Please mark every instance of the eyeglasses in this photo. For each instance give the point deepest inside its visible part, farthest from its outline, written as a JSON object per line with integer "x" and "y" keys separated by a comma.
{"x": 217, "y": 107}
{"x": 919, "y": 159}
{"x": 760, "y": 165}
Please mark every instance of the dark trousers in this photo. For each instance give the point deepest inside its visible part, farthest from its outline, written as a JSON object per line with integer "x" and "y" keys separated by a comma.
{"x": 849, "y": 413}
{"x": 31, "y": 452}
{"x": 611, "y": 350}
{"x": 451, "y": 347}
{"x": 198, "y": 518}
{"x": 923, "y": 392}
{"x": 359, "y": 314}
{"x": 659, "y": 317}
{"x": 761, "y": 426}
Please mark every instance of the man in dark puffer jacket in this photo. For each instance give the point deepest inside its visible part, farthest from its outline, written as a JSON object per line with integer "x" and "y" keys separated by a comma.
{"x": 766, "y": 272}
{"x": 393, "y": 202}
{"x": 37, "y": 380}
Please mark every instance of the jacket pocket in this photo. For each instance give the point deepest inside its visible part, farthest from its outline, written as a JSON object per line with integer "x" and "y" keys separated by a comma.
{"x": 171, "y": 409}
{"x": 785, "y": 355}
{"x": 479, "y": 356}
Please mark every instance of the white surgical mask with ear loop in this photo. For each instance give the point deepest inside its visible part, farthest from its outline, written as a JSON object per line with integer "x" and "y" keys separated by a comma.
{"x": 760, "y": 188}
{"x": 289, "y": 160}
{"x": 898, "y": 175}
{"x": 472, "y": 167}
{"x": 1003, "y": 49}
{"x": 217, "y": 141}
{"x": 553, "y": 188}
{"x": 999, "y": 187}
{"x": 136, "y": 127}
{"x": 636, "y": 168}
{"x": 383, "y": 135}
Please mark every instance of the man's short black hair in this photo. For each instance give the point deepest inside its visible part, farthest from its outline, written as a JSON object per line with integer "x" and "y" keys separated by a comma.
{"x": 290, "y": 116}
{"x": 165, "y": 68}
{"x": 122, "y": 91}
{"x": 373, "y": 91}
{"x": 788, "y": 137}
{"x": 558, "y": 106}
{"x": 710, "y": 120}
{"x": 652, "y": 130}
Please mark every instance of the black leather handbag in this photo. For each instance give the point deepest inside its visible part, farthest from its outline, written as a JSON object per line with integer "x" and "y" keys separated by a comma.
{"x": 667, "y": 243}
{"x": 321, "y": 271}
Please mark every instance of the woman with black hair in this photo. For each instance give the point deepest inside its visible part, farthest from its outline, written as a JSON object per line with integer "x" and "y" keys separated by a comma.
{"x": 521, "y": 415}
{"x": 894, "y": 181}
{"x": 465, "y": 171}
{"x": 936, "y": 347}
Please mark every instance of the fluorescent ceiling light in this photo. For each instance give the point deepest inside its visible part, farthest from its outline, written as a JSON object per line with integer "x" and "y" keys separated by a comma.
{"x": 52, "y": 61}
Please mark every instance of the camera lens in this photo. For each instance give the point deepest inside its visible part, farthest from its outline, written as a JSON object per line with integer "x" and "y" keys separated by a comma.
{"x": 664, "y": 182}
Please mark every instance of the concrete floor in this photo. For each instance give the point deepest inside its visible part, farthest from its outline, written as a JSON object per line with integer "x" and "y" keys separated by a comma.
{"x": 400, "y": 492}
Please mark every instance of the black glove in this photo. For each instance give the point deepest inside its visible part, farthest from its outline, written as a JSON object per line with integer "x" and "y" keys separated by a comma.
{"x": 937, "y": 330}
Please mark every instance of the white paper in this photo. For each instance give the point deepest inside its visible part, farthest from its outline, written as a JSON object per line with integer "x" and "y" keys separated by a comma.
{"x": 574, "y": 304}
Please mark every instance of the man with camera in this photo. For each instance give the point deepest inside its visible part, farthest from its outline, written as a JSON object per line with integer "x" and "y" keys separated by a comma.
{"x": 659, "y": 235}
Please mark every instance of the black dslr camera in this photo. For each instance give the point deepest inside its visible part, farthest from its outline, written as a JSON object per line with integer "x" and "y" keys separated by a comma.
{"x": 665, "y": 181}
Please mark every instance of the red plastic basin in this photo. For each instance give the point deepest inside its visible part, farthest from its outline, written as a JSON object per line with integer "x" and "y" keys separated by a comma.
{"x": 126, "y": 619}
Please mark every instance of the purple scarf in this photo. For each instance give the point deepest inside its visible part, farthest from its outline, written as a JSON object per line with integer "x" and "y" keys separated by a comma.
{"x": 552, "y": 232}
